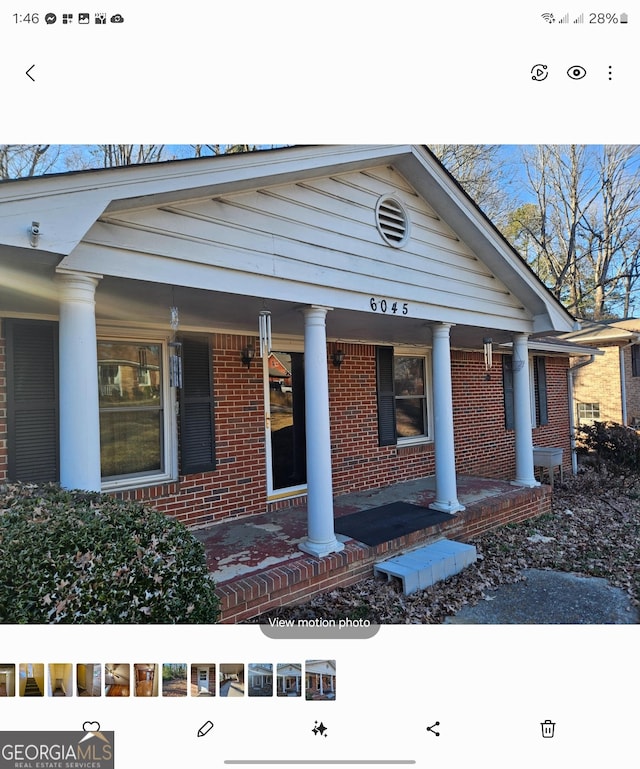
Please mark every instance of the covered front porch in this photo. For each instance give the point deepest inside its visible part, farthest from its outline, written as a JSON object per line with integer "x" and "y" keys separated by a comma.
{"x": 258, "y": 565}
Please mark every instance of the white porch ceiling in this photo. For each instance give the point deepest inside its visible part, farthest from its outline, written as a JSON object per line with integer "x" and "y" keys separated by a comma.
{"x": 125, "y": 303}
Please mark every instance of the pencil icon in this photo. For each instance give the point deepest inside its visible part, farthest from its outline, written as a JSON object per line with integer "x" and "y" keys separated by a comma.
{"x": 206, "y": 727}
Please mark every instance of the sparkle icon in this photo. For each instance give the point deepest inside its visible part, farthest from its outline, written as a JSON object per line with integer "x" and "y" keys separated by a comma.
{"x": 319, "y": 729}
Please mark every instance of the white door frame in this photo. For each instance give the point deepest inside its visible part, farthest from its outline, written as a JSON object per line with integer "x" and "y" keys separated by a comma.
{"x": 290, "y": 491}
{"x": 206, "y": 688}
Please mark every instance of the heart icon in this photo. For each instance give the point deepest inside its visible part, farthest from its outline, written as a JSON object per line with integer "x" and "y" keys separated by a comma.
{"x": 91, "y": 726}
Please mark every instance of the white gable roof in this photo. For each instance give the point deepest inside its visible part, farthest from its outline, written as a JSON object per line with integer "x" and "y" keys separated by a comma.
{"x": 290, "y": 223}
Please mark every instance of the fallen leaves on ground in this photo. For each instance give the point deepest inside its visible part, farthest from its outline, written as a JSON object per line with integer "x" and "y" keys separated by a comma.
{"x": 593, "y": 530}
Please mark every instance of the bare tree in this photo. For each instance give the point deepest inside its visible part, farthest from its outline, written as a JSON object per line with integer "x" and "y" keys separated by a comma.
{"x": 200, "y": 150}
{"x": 481, "y": 169}
{"x": 580, "y": 231}
{"x": 113, "y": 155}
{"x": 612, "y": 230}
{"x": 20, "y": 160}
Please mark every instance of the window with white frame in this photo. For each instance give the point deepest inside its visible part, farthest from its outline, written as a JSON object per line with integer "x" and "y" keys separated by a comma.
{"x": 588, "y": 412}
{"x": 412, "y": 414}
{"x": 133, "y": 415}
{"x": 404, "y": 406}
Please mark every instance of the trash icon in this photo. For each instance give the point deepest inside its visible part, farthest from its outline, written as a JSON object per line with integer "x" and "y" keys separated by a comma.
{"x": 548, "y": 727}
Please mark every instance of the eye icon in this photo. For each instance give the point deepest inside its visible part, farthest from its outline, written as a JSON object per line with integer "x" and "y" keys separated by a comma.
{"x": 576, "y": 72}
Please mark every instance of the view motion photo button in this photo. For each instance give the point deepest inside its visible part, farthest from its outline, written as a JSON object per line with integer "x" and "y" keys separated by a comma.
{"x": 319, "y": 628}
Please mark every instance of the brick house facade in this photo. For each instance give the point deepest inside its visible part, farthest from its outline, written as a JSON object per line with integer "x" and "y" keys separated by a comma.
{"x": 484, "y": 446}
{"x": 373, "y": 252}
{"x": 608, "y": 389}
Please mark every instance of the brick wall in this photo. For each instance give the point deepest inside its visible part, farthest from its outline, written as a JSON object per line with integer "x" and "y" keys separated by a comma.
{"x": 238, "y": 486}
{"x": 483, "y": 446}
{"x": 358, "y": 461}
{"x": 557, "y": 432}
{"x": 599, "y": 382}
{"x": 633, "y": 390}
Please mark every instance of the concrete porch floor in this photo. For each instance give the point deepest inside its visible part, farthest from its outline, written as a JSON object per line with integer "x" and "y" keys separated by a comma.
{"x": 257, "y": 565}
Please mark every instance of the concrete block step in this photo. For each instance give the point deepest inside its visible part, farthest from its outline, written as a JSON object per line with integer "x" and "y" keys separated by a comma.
{"x": 423, "y": 567}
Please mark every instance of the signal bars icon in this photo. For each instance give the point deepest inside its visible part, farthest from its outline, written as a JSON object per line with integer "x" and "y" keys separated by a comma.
{"x": 564, "y": 19}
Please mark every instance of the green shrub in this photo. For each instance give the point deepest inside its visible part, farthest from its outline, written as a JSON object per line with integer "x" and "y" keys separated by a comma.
{"x": 613, "y": 447}
{"x": 80, "y": 557}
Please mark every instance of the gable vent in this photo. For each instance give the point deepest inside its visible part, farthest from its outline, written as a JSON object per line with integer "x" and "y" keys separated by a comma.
{"x": 392, "y": 221}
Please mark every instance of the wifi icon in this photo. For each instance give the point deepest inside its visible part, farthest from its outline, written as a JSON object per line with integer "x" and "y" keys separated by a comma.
{"x": 548, "y": 17}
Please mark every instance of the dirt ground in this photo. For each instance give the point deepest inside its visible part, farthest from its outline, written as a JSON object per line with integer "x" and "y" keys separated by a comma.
{"x": 175, "y": 687}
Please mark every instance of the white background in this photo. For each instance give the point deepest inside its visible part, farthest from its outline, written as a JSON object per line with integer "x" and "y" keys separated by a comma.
{"x": 285, "y": 72}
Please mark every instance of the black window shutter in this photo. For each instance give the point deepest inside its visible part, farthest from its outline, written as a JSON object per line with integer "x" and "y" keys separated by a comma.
{"x": 197, "y": 440}
{"x": 32, "y": 400}
{"x": 635, "y": 360}
{"x": 541, "y": 390}
{"x": 507, "y": 385}
{"x": 386, "y": 397}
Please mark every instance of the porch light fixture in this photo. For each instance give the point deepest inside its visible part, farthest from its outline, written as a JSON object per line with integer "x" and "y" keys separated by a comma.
{"x": 247, "y": 355}
{"x": 264, "y": 324}
{"x": 487, "y": 344}
{"x": 338, "y": 358}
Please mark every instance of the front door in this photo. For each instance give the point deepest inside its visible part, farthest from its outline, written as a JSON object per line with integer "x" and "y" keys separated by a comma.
{"x": 203, "y": 680}
{"x": 286, "y": 441}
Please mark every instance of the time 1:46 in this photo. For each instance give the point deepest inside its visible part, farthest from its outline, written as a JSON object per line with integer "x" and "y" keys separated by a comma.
{"x": 26, "y": 18}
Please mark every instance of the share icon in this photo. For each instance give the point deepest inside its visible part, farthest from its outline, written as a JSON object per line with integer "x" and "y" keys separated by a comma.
{"x": 432, "y": 728}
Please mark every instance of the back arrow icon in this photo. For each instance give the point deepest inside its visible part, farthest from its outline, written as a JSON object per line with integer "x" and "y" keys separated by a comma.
{"x": 28, "y": 71}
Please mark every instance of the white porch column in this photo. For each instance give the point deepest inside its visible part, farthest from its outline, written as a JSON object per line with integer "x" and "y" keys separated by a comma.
{"x": 78, "y": 361}
{"x": 446, "y": 487}
{"x": 522, "y": 412}
{"x": 321, "y": 538}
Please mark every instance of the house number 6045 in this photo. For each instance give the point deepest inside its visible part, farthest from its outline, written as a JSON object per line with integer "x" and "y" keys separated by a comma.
{"x": 388, "y": 306}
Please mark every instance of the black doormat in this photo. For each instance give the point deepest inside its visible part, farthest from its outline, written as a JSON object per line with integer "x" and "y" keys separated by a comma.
{"x": 382, "y": 524}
